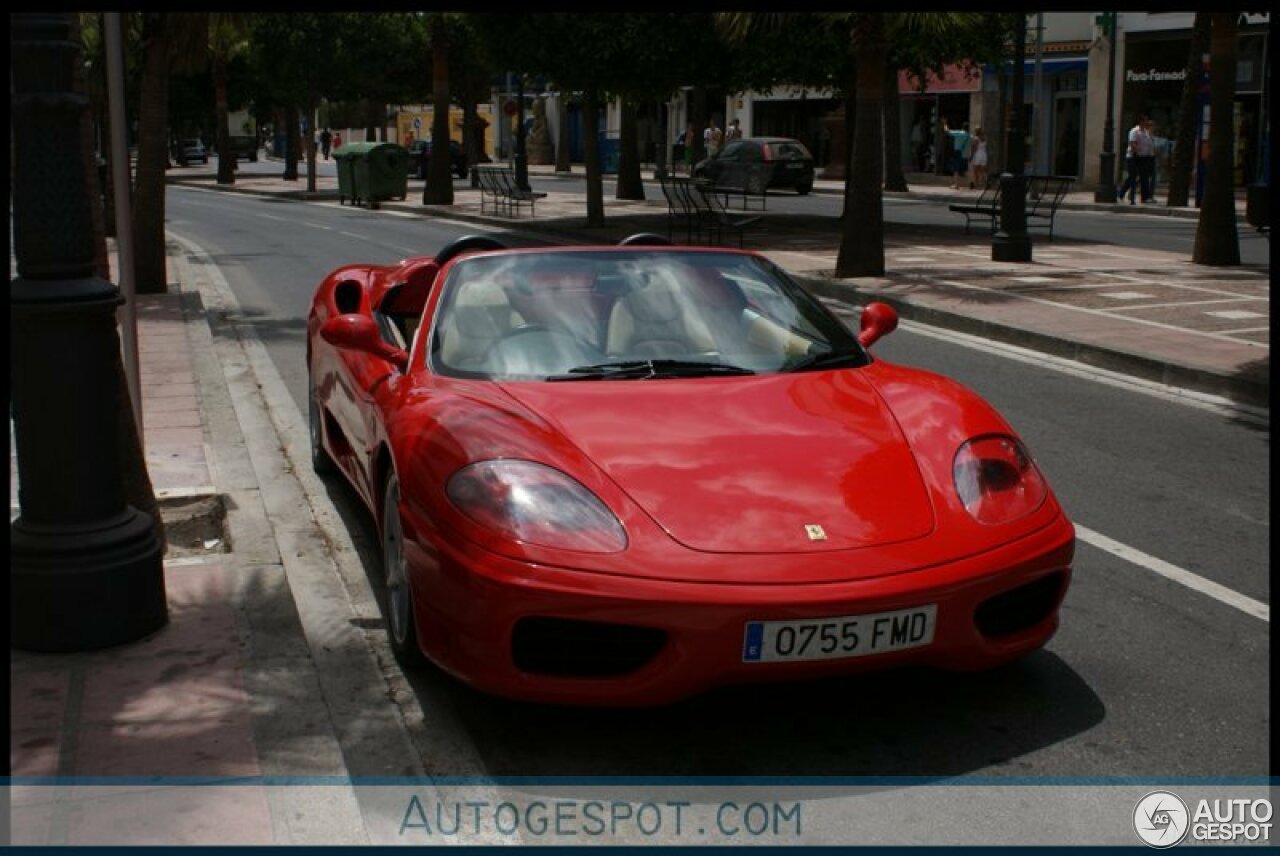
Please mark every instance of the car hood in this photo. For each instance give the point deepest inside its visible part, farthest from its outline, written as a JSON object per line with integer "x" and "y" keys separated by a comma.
{"x": 803, "y": 462}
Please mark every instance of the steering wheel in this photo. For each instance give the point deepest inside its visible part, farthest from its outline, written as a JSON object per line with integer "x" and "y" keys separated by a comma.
{"x": 466, "y": 244}
{"x": 548, "y": 351}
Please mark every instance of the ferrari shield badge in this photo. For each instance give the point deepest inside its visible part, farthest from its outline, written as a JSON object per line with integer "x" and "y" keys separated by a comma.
{"x": 815, "y": 532}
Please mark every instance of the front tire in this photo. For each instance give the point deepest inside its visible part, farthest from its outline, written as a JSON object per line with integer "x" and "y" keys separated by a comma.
{"x": 402, "y": 630}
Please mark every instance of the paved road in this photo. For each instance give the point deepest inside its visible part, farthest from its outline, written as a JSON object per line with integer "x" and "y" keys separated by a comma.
{"x": 1147, "y": 677}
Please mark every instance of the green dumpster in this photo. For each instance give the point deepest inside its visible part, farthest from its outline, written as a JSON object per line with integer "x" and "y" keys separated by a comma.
{"x": 378, "y": 171}
{"x": 345, "y": 162}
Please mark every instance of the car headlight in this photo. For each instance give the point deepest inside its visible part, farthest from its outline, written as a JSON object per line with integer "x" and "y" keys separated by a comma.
{"x": 536, "y": 504}
{"x": 997, "y": 480}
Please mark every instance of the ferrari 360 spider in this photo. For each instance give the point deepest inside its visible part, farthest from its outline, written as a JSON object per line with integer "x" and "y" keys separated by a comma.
{"x": 626, "y": 474}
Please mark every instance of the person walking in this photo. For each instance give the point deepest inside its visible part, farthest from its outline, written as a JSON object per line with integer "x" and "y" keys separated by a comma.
{"x": 1139, "y": 162}
{"x": 690, "y": 139}
{"x": 733, "y": 132}
{"x": 325, "y": 139}
{"x": 959, "y": 164}
{"x": 979, "y": 160}
{"x": 712, "y": 137}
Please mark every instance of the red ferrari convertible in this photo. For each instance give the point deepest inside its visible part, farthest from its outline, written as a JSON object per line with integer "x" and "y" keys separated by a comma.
{"x": 626, "y": 474}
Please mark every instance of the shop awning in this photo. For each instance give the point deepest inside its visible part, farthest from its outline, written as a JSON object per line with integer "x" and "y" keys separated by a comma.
{"x": 955, "y": 78}
{"x": 1049, "y": 65}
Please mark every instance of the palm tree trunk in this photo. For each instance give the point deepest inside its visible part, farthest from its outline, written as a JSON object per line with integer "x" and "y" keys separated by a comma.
{"x": 862, "y": 239}
{"x": 563, "y": 161}
{"x": 226, "y": 158}
{"x": 1217, "y": 242}
{"x": 894, "y": 178}
{"x": 591, "y": 153}
{"x": 309, "y": 146}
{"x": 294, "y": 145}
{"x": 630, "y": 183}
{"x": 439, "y": 188}
{"x": 153, "y": 159}
{"x": 1184, "y": 144}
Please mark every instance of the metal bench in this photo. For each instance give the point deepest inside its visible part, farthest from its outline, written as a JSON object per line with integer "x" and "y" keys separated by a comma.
{"x": 498, "y": 188}
{"x": 700, "y": 207}
{"x": 1044, "y": 197}
{"x": 986, "y": 205}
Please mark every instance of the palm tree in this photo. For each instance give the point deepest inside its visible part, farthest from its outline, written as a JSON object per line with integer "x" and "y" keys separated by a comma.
{"x": 1184, "y": 154}
{"x": 871, "y": 33}
{"x": 439, "y": 189}
{"x": 228, "y": 37}
{"x": 170, "y": 41}
{"x": 1217, "y": 242}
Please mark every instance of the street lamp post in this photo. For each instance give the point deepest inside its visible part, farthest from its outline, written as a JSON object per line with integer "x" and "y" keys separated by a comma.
{"x": 1106, "y": 191}
{"x": 85, "y": 568}
{"x": 522, "y": 154}
{"x": 1012, "y": 243}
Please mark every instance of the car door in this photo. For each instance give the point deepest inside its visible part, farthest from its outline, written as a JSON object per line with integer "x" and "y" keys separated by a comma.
{"x": 730, "y": 165}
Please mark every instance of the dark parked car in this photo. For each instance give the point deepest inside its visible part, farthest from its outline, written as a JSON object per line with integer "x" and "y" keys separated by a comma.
{"x": 420, "y": 158}
{"x": 755, "y": 164}
{"x": 190, "y": 151}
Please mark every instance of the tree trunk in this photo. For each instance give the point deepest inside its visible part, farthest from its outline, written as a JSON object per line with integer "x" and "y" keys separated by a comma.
{"x": 226, "y": 158}
{"x": 309, "y": 146}
{"x": 564, "y": 163}
{"x": 375, "y": 119}
{"x": 1217, "y": 242}
{"x": 138, "y": 491}
{"x": 862, "y": 239}
{"x": 1184, "y": 145}
{"x": 153, "y": 159}
{"x": 471, "y": 136}
{"x": 894, "y": 178}
{"x": 439, "y": 188}
{"x": 630, "y": 183}
{"x": 591, "y": 154}
{"x": 293, "y": 144}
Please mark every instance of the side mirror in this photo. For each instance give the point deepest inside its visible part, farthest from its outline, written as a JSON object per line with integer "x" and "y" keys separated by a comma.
{"x": 878, "y": 321}
{"x": 360, "y": 333}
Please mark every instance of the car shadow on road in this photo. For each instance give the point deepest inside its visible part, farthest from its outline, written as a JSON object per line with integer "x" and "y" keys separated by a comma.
{"x": 910, "y": 722}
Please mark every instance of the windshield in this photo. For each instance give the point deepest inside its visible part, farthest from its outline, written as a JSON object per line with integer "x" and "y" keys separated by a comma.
{"x": 630, "y": 314}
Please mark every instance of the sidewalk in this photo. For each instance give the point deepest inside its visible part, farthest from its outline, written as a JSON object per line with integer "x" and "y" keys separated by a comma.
{"x": 244, "y": 682}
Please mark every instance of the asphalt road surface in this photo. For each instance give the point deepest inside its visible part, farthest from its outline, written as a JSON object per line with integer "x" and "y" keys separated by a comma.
{"x": 1147, "y": 677}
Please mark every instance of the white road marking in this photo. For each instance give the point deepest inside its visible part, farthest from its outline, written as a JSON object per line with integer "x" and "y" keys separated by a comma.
{"x": 1218, "y": 592}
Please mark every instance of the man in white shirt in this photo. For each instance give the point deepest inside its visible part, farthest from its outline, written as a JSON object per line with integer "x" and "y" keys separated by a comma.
{"x": 1142, "y": 146}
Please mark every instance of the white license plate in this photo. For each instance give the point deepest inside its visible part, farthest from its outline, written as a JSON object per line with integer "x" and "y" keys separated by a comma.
{"x": 835, "y": 638}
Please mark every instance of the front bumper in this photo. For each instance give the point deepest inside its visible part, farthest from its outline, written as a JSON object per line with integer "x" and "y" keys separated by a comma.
{"x": 992, "y": 607}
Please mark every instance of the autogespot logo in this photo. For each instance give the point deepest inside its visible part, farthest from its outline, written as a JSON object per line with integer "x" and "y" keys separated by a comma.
{"x": 1161, "y": 819}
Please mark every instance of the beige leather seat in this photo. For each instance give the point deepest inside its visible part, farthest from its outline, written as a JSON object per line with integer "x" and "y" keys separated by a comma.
{"x": 655, "y": 319}
{"x": 479, "y": 317}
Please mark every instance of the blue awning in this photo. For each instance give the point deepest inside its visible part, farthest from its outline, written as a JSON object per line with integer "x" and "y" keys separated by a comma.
{"x": 1056, "y": 65}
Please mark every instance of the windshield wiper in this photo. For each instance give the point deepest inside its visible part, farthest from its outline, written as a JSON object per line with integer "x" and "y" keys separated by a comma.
{"x": 826, "y": 360}
{"x": 645, "y": 369}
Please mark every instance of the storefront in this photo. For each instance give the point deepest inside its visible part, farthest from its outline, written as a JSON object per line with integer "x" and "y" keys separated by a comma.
{"x": 1154, "y": 72}
{"x": 947, "y": 97}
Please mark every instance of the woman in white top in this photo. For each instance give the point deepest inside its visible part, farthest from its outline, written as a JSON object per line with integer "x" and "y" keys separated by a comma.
{"x": 979, "y": 159}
